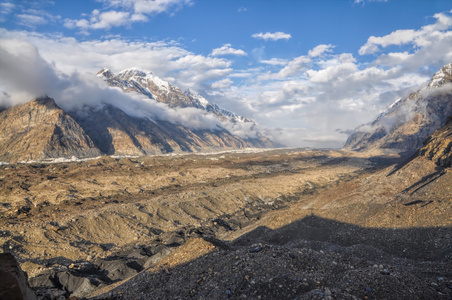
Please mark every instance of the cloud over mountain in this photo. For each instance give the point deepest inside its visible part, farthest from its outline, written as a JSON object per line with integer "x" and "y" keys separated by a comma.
{"x": 27, "y": 75}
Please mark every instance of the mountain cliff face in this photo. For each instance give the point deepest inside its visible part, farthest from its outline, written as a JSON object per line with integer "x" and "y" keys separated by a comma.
{"x": 40, "y": 130}
{"x": 409, "y": 121}
{"x": 133, "y": 80}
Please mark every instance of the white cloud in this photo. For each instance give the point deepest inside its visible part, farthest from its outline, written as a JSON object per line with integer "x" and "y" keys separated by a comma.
{"x": 275, "y": 62}
{"x": 417, "y": 38}
{"x": 26, "y": 75}
{"x": 242, "y": 9}
{"x": 320, "y": 49}
{"x": 34, "y": 17}
{"x": 7, "y": 7}
{"x": 98, "y": 20}
{"x": 333, "y": 72}
{"x": 308, "y": 96}
{"x": 148, "y": 7}
{"x": 294, "y": 66}
{"x": 227, "y": 49}
{"x": 165, "y": 59}
{"x": 222, "y": 84}
{"x": 274, "y": 36}
{"x": 30, "y": 20}
{"x": 128, "y": 12}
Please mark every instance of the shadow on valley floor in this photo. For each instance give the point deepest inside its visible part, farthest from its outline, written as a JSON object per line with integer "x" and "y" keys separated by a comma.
{"x": 313, "y": 258}
{"x": 413, "y": 243}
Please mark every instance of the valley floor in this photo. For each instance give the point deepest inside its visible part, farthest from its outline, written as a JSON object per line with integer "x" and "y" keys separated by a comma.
{"x": 279, "y": 224}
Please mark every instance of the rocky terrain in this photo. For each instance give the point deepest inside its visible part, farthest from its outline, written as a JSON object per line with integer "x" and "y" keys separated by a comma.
{"x": 409, "y": 121}
{"x": 259, "y": 225}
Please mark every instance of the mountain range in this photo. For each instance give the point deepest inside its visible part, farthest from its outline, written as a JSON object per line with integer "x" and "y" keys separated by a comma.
{"x": 409, "y": 121}
{"x": 41, "y": 130}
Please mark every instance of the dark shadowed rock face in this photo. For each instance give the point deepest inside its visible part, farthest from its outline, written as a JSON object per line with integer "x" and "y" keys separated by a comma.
{"x": 13, "y": 282}
{"x": 408, "y": 122}
{"x": 41, "y": 130}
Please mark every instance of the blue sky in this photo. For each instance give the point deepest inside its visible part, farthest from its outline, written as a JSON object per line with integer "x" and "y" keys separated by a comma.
{"x": 305, "y": 70}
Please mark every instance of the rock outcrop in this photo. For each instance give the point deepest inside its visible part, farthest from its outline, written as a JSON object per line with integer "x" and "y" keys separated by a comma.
{"x": 409, "y": 121}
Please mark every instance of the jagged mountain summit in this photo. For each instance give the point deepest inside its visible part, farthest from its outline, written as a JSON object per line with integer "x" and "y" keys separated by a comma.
{"x": 408, "y": 122}
{"x": 153, "y": 87}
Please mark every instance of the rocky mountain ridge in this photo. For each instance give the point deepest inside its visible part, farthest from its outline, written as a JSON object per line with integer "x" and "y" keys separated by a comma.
{"x": 409, "y": 121}
{"x": 40, "y": 130}
{"x": 153, "y": 87}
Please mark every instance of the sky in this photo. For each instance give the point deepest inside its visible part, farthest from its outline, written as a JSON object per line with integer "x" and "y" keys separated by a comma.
{"x": 307, "y": 72}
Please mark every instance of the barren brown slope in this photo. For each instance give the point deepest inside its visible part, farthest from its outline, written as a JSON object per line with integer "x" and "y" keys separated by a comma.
{"x": 40, "y": 130}
{"x": 116, "y": 133}
{"x": 438, "y": 147}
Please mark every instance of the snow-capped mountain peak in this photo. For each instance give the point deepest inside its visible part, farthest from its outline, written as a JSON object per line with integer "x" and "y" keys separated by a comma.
{"x": 443, "y": 76}
{"x": 194, "y": 95}
{"x": 144, "y": 78}
{"x": 106, "y": 73}
{"x": 153, "y": 87}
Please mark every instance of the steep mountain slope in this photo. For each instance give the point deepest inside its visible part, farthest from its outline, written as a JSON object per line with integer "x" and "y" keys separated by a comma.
{"x": 115, "y": 132}
{"x": 409, "y": 121}
{"x": 133, "y": 80}
{"x": 40, "y": 130}
{"x": 438, "y": 146}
